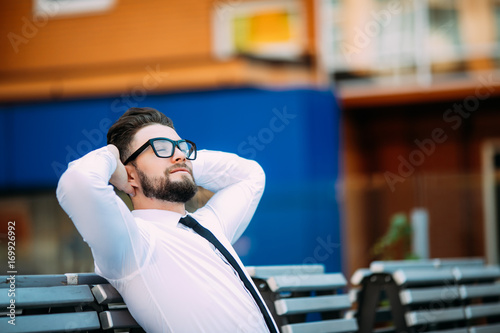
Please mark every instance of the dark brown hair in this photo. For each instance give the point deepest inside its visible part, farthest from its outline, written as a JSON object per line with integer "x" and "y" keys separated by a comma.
{"x": 123, "y": 130}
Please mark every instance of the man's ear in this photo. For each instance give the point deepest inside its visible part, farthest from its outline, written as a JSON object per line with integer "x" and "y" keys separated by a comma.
{"x": 133, "y": 178}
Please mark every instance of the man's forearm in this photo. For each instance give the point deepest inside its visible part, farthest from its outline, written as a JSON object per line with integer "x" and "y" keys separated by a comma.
{"x": 98, "y": 214}
{"x": 238, "y": 184}
{"x": 217, "y": 170}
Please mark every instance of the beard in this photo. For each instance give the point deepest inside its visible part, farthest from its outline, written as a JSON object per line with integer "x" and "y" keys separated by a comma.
{"x": 163, "y": 188}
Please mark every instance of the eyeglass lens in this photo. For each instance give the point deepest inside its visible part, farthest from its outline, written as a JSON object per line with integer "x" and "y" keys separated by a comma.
{"x": 165, "y": 148}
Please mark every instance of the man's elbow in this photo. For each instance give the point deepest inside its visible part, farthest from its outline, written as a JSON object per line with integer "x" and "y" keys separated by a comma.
{"x": 73, "y": 183}
{"x": 258, "y": 175}
{"x": 62, "y": 185}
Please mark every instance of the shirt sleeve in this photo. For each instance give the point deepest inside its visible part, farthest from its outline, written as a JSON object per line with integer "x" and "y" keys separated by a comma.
{"x": 238, "y": 185}
{"x": 100, "y": 216}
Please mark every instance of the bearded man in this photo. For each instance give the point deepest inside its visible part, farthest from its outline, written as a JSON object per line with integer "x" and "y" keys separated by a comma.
{"x": 177, "y": 272}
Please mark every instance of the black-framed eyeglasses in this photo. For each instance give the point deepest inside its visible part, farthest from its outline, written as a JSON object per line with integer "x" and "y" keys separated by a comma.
{"x": 164, "y": 147}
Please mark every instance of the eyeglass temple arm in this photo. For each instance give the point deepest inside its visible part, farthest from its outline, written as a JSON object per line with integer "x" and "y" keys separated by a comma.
{"x": 136, "y": 153}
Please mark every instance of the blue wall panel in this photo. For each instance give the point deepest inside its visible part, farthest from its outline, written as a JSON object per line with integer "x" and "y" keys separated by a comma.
{"x": 5, "y": 142}
{"x": 47, "y": 136}
{"x": 293, "y": 134}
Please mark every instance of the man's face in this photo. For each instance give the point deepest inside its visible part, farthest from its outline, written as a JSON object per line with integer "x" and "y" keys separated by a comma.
{"x": 169, "y": 179}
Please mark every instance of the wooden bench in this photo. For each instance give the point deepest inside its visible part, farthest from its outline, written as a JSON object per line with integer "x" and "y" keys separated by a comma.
{"x": 371, "y": 287}
{"x": 62, "y": 303}
{"x": 304, "y": 298}
{"x": 454, "y": 297}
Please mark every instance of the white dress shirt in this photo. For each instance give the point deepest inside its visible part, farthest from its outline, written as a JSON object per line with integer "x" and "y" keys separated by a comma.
{"x": 171, "y": 279}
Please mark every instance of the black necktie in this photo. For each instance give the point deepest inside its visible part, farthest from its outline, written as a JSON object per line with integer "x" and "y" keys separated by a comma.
{"x": 209, "y": 236}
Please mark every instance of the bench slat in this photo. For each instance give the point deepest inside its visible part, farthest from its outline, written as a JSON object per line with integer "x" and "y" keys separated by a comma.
{"x": 424, "y": 277}
{"x": 422, "y": 295}
{"x": 106, "y": 293}
{"x": 359, "y": 275}
{"x": 467, "y": 274}
{"x": 117, "y": 319}
{"x": 453, "y": 330}
{"x": 473, "y": 291}
{"x": 48, "y": 296}
{"x": 461, "y": 262}
{"x": 495, "y": 328}
{"x": 22, "y": 281}
{"x": 59, "y": 322}
{"x": 265, "y": 272}
{"x": 424, "y": 317}
{"x": 52, "y": 280}
{"x": 393, "y": 265}
{"x": 312, "y": 304}
{"x": 482, "y": 310}
{"x": 306, "y": 282}
{"x": 325, "y": 326}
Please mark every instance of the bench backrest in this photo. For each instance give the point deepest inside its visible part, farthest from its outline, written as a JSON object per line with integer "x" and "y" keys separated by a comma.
{"x": 305, "y": 299}
{"x": 463, "y": 298}
{"x": 59, "y": 303}
{"x": 302, "y": 298}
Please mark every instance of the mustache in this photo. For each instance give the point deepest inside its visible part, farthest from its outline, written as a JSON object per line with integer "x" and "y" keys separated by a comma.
{"x": 177, "y": 166}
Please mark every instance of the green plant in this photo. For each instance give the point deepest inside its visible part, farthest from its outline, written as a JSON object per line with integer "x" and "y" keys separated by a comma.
{"x": 396, "y": 243}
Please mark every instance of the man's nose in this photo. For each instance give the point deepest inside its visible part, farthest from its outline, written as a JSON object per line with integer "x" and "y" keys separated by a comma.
{"x": 178, "y": 155}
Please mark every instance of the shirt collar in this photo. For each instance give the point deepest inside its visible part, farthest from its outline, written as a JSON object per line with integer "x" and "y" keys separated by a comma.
{"x": 164, "y": 217}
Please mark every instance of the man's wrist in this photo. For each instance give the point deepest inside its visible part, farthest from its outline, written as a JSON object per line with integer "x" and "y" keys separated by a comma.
{"x": 113, "y": 151}
{"x": 112, "y": 148}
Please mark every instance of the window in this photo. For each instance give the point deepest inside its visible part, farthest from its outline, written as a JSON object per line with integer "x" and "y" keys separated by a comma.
{"x": 57, "y": 8}
{"x": 268, "y": 30}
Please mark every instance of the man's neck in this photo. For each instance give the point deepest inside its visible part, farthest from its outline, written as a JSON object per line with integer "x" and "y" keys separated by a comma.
{"x": 148, "y": 203}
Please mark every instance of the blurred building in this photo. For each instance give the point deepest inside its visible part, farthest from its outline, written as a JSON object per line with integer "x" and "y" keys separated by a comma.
{"x": 418, "y": 85}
